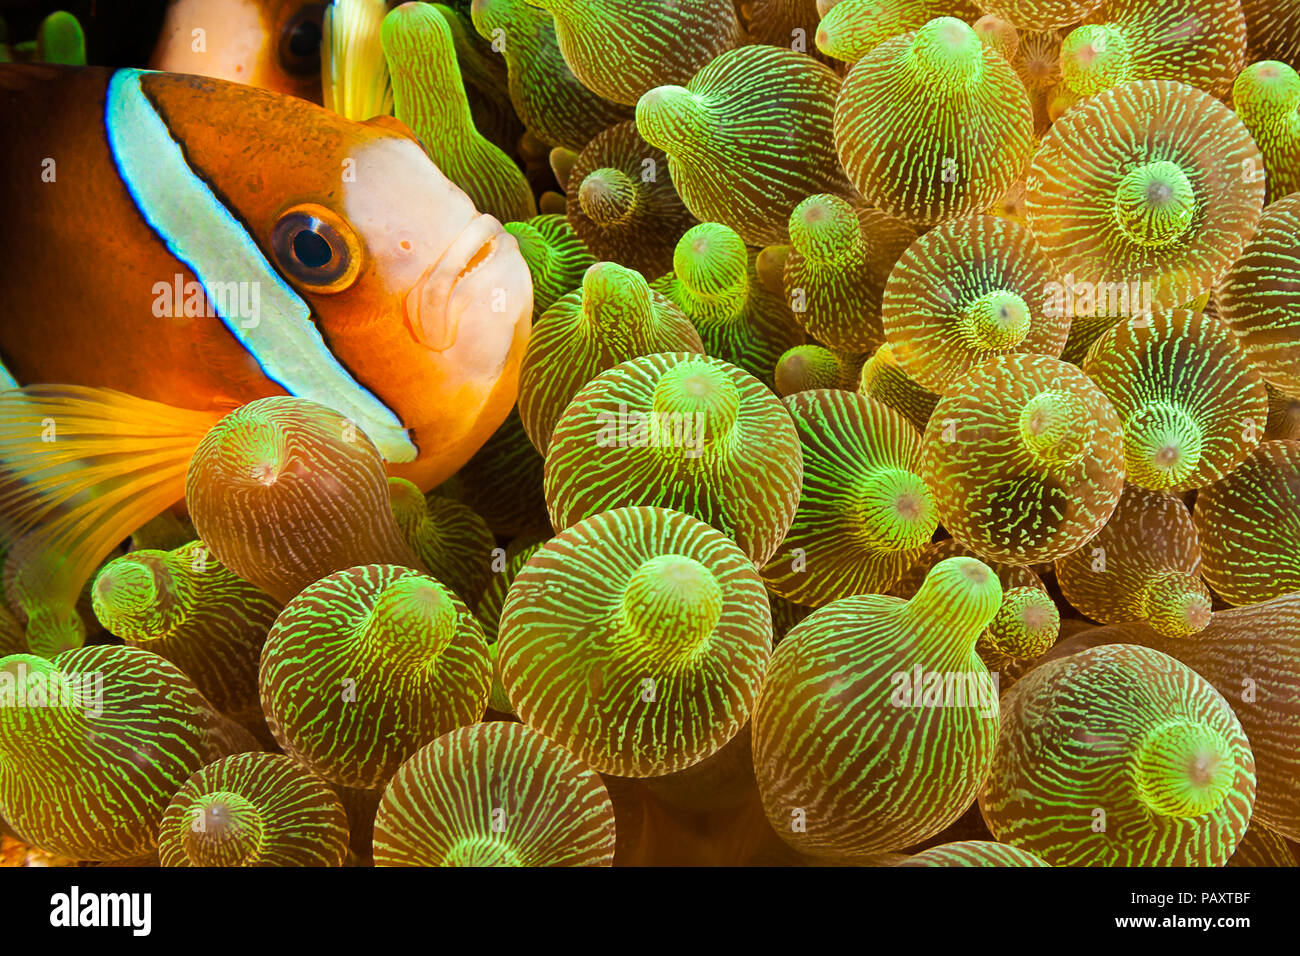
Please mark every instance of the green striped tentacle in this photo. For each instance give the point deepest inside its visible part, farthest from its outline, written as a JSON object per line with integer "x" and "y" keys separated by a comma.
{"x": 1038, "y": 64}
{"x": 1198, "y": 42}
{"x": 1251, "y": 656}
{"x": 835, "y": 272}
{"x": 748, "y": 138}
{"x": 877, "y": 721}
{"x": 620, "y": 50}
{"x": 968, "y": 290}
{"x": 1144, "y": 183}
{"x": 814, "y": 366}
{"x": 933, "y": 125}
{"x": 1028, "y": 621}
{"x": 449, "y": 537}
{"x": 680, "y": 431}
{"x": 622, "y": 203}
{"x": 1144, "y": 565}
{"x": 884, "y": 380}
{"x": 1119, "y": 756}
{"x": 1040, "y": 14}
{"x": 864, "y": 513}
{"x": 853, "y": 28}
{"x": 636, "y": 639}
{"x": 787, "y": 23}
{"x": 488, "y": 611}
{"x": 715, "y": 284}
{"x": 557, "y": 259}
{"x": 997, "y": 34}
{"x": 974, "y": 853}
{"x": 1272, "y": 31}
{"x": 429, "y": 97}
{"x": 1190, "y": 403}
{"x": 558, "y": 109}
{"x": 368, "y": 665}
{"x": 1025, "y": 458}
{"x": 1260, "y": 296}
{"x": 1249, "y": 523}
{"x": 616, "y": 316}
{"x": 494, "y": 794}
{"x": 184, "y": 606}
{"x": 94, "y": 743}
{"x": 1283, "y": 415}
{"x": 285, "y": 491}
{"x": 1262, "y": 847}
{"x": 254, "y": 809}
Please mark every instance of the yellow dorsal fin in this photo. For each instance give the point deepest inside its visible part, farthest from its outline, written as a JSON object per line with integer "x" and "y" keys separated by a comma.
{"x": 80, "y": 469}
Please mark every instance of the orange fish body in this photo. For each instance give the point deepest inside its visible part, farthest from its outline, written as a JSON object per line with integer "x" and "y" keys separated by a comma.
{"x": 272, "y": 44}
{"x": 200, "y": 244}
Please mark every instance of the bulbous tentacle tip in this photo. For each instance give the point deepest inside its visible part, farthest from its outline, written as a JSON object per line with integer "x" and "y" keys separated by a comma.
{"x": 125, "y": 590}
{"x": 1025, "y": 627}
{"x": 949, "y": 51}
{"x": 672, "y": 118}
{"x": 998, "y": 34}
{"x": 825, "y": 228}
{"x": 894, "y": 511}
{"x": 671, "y": 604}
{"x": 1266, "y": 90}
{"x": 711, "y": 259}
{"x": 1155, "y": 204}
{"x": 614, "y": 296}
{"x": 1055, "y": 427}
{"x": 995, "y": 322}
{"x": 699, "y": 388}
{"x": 962, "y": 593}
{"x": 1178, "y": 605}
{"x": 1183, "y": 768}
{"x": 413, "y": 614}
{"x": 480, "y": 851}
{"x": 1162, "y": 445}
{"x": 1095, "y": 57}
{"x": 226, "y": 829}
{"x": 608, "y": 196}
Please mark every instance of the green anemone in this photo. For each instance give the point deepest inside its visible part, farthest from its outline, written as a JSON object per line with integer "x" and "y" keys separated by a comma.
{"x": 864, "y": 513}
{"x": 748, "y": 138}
{"x": 1024, "y": 456}
{"x": 429, "y": 97}
{"x": 621, "y": 50}
{"x": 1143, "y": 565}
{"x": 1119, "y": 756}
{"x": 622, "y": 202}
{"x": 875, "y": 680}
{"x": 934, "y": 125}
{"x": 715, "y": 283}
{"x": 681, "y": 431}
{"x": 655, "y": 622}
{"x": 546, "y": 95}
{"x": 495, "y": 794}
{"x": 614, "y": 317}
{"x": 253, "y": 809}
{"x": 1186, "y": 394}
{"x": 366, "y": 666}
{"x": 836, "y": 268}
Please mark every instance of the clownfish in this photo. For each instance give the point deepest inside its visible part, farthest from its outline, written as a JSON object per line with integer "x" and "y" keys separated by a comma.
{"x": 177, "y": 246}
{"x": 272, "y": 44}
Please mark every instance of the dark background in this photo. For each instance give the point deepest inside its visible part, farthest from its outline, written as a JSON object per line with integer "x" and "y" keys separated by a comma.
{"x": 118, "y": 32}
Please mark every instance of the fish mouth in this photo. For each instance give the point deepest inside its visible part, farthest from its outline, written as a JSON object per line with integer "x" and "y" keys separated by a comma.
{"x": 463, "y": 280}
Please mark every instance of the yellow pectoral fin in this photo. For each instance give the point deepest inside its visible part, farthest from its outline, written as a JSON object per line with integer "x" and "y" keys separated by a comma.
{"x": 80, "y": 469}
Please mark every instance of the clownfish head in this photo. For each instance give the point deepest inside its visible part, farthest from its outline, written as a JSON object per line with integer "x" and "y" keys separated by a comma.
{"x": 272, "y": 44}
{"x": 384, "y": 293}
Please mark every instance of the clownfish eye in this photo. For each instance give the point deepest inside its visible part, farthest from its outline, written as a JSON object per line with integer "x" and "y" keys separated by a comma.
{"x": 300, "y": 40}
{"x": 315, "y": 248}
